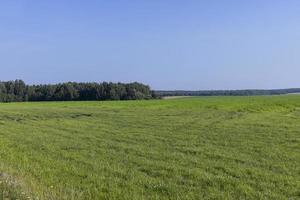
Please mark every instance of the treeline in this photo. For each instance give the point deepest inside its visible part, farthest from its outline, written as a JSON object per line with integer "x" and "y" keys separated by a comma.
{"x": 227, "y": 92}
{"x": 16, "y": 91}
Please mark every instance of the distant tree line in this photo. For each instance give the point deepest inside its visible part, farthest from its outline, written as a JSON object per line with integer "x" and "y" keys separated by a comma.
{"x": 14, "y": 91}
{"x": 226, "y": 92}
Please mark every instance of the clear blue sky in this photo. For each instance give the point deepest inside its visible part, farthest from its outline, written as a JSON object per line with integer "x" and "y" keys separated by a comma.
{"x": 168, "y": 44}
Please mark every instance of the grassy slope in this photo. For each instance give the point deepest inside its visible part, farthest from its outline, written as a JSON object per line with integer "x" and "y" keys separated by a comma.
{"x": 192, "y": 148}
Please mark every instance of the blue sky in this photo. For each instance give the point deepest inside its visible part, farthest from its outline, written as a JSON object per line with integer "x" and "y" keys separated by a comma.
{"x": 168, "y": 44}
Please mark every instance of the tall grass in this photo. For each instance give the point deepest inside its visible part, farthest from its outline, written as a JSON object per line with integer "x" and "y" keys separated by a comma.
{"x": 190, "y": 148}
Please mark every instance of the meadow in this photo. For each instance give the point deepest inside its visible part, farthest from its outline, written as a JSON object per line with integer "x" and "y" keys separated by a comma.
{"x": 188, "y": 148}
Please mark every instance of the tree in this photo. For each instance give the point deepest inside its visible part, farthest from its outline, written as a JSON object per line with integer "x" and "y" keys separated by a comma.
{"x": 18, "y": 91}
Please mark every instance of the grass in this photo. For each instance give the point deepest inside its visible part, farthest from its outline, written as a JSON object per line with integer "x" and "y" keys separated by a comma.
{"x": 189, "y": 148}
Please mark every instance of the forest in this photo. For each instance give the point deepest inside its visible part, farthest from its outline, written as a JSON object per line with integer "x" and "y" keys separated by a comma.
{"x": 252, "y": 92}
{"x": 18, "y": 91}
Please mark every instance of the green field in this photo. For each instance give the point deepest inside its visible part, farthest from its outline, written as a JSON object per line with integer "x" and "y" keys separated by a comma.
{"x": 189, "y": 148}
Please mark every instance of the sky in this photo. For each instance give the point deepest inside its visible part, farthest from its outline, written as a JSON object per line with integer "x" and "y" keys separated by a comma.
{"x": 167, "y": 44}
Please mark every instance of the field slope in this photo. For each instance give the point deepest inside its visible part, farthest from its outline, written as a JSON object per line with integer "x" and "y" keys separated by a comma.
{"x": 189, "y": 148}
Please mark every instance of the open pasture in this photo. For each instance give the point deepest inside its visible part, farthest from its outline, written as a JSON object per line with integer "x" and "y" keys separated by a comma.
{"x": 188, "y": 148}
